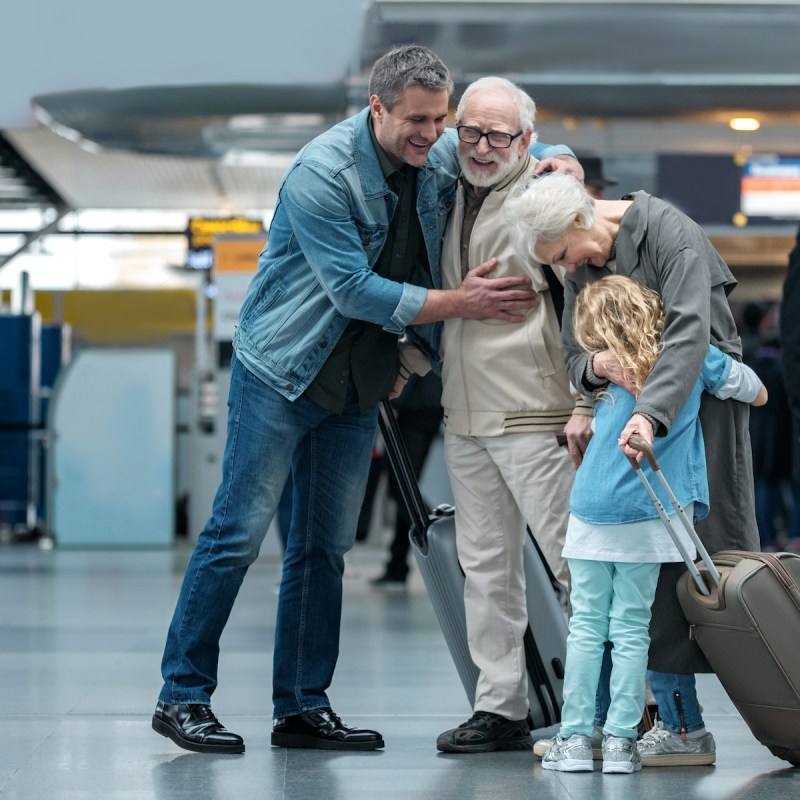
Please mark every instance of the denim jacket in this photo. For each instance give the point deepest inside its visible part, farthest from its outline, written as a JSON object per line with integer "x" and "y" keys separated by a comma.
{"x": 608, "y": 491}
{"x": 315, "y": 272}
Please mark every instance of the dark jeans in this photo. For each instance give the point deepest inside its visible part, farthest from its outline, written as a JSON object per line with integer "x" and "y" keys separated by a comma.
{"x": 329, "y": 458}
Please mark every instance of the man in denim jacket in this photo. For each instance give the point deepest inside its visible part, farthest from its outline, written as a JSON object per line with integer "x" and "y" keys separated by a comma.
{"x": 352, "y": 261}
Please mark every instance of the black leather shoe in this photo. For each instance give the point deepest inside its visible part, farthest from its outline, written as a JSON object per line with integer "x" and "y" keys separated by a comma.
{"x": 322, "y": 729}
{"x": 194, "y": 727}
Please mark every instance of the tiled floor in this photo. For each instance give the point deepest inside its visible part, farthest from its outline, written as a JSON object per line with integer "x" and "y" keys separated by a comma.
{"x": 81, "y": 634}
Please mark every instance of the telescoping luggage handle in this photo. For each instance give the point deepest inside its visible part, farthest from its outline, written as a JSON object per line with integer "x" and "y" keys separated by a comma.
{"x": 403, "y": 472}
{"x": 641, "y": 444}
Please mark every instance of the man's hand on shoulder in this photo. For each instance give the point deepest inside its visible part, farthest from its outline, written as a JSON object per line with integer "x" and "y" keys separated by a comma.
{"x": 566, "y": 164}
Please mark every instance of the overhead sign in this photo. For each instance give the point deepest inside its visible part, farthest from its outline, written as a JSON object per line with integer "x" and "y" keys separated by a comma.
{"x": 202, "y": 231}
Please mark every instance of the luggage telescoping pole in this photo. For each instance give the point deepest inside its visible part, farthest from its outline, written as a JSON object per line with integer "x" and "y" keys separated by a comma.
{"x": 638, "y": 443}
{"x": 403, "y": 472}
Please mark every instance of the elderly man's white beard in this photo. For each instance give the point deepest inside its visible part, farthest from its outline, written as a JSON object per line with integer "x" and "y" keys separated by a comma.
{"x": 477, "y": 178}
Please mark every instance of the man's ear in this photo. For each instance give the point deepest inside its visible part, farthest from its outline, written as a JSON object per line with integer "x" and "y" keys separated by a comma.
{"x": 525, "y": 140}
{"x": 376, "y": 108}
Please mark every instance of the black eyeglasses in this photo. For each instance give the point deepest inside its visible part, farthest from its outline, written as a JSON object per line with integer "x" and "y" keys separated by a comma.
{"x": 496, "y": 139}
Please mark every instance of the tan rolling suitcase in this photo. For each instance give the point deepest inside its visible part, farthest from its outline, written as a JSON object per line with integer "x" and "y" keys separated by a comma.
{"x": 744, "y": 612}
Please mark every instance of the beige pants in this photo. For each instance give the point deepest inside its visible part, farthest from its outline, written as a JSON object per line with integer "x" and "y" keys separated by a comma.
{"x": 500, "y": 483}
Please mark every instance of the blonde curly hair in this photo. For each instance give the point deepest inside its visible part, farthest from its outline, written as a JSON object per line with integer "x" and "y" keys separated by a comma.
{"x": 615, "y": 313}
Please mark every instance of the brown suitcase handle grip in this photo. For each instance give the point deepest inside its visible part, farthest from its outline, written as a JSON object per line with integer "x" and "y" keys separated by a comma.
{"x": 772, "y": 562}
{"x": 640, "y": 443}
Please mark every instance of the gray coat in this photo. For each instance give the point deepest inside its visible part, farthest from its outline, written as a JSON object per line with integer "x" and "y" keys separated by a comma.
{"x": 663, "y": 249}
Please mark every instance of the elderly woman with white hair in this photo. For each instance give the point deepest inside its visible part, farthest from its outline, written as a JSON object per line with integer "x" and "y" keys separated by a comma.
{"x": 652, "y": 242}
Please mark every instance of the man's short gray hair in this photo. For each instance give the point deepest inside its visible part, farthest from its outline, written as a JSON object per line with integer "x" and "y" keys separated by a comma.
{"x": 545, "y": 208}
{"x": 523, "y": 101}
{"x": 411, "y": 65}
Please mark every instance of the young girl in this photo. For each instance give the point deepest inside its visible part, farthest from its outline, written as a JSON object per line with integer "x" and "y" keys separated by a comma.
{"x": 615, "y": 540}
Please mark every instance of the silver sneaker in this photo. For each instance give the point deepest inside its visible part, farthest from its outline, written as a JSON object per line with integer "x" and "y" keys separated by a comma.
{"x": 620, "y": 755}
{"x": 662, "y": 748}
{"x": 541, "y": 746}
{"x": 569, "y": 755}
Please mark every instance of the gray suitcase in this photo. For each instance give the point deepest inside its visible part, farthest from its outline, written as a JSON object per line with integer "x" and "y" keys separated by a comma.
{"x": 433, "y": 542}
{"x": 743, "y": 609}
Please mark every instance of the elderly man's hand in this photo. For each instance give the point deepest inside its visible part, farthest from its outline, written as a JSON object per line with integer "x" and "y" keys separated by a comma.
{"x": 566, "y": 164}
{"x": 579, "y": 432}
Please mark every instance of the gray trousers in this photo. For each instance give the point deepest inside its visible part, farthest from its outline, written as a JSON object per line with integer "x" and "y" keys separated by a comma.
{"x": 500, "y": 483}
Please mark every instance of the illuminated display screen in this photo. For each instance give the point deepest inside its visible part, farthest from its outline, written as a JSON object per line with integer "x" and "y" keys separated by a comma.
{"x": 202, "y": 231}
{"x": 771, "y": 187}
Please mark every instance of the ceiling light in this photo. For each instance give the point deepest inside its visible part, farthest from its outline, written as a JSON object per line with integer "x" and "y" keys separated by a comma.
{"x": 744, "y": 124}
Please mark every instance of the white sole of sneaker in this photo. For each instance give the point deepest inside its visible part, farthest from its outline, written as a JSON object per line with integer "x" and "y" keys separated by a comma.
{"x": 540, "y": 751}
{"x": 569, "y": 765}
{"x": 679, "y": 760}
{"x": 621, "y": 768}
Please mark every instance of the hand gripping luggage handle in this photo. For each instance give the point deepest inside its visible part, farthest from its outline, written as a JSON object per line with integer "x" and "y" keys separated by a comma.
{"x": 406, "y": 479}
{"x": 641, "y": 444}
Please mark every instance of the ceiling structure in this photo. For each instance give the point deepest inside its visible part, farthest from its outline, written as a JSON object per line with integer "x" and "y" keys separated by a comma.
{"x": 618, "y": 77}
{"x": 610, "y": 59}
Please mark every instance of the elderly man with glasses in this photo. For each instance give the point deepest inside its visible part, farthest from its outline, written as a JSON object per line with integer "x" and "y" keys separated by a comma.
{"x": 506, "y": 396}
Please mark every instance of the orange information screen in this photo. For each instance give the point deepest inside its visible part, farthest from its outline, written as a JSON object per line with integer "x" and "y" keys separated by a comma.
{"x": 771, "y": 187}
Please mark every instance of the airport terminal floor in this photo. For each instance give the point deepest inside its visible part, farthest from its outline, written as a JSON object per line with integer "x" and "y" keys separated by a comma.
{"x": 81, "y": 634}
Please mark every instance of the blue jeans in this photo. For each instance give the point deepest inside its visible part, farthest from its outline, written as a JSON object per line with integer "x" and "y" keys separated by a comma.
{"x": 675, "y": 695}
{"x": 329, "y": 455}
{"x": 610, "y": 602}
{"x": 602, "y": 699}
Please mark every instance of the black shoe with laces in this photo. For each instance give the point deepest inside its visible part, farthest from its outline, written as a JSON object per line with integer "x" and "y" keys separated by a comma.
{"x": 321, "y": 729}
{"x": 193, "y": 726}
{"x": 485, "y": 732}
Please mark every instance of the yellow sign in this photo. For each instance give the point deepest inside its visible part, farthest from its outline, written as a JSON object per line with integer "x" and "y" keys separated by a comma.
{"x": 202, "y": 230}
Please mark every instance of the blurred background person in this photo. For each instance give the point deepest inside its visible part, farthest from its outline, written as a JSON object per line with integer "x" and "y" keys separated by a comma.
{"x": 776, "y": 492}
{"x": 790, "y": 352}
{"x": 594, "y": 179}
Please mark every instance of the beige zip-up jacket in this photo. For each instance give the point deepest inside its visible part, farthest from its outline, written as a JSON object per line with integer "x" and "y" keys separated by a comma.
{"x": 501, "y": 377}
